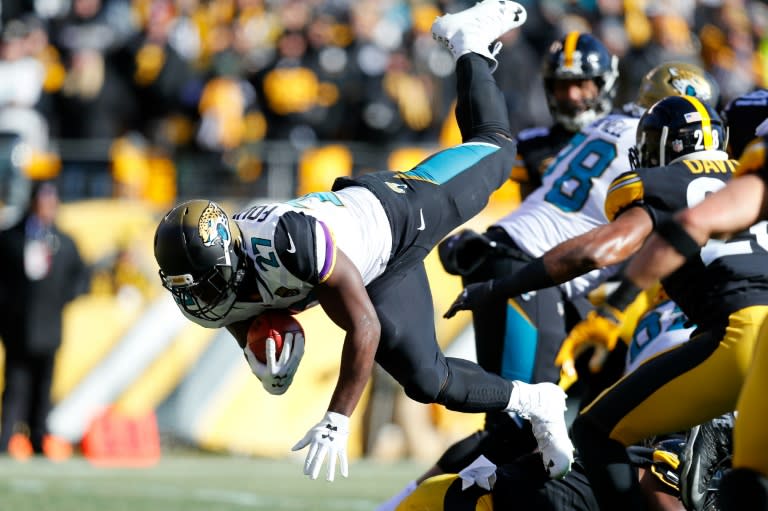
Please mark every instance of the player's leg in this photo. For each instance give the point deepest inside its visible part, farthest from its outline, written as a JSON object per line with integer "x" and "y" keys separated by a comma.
{"x": 517, "y": 339}
{"x": 467, "y": 174}
{"x": 40, "y": 404}
{"x": 15, "y": 401}
{"x": 451, "y": 186}
{"x": 408, "y": 350}
{"x": 750, "y": 436}
{"x": 748, "y": 482}
{"x": 657, "y": 398}
{"x": 480, "y": 105}
{"x": 471, "y": 36}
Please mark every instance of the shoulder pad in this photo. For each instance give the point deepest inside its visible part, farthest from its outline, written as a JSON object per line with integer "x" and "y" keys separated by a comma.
{"x": 624, "y": 191}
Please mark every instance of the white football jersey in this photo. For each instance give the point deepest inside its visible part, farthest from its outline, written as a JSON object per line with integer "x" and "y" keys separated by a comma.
{"x": 293, "y": 246}
{"x": 571, "y": 199}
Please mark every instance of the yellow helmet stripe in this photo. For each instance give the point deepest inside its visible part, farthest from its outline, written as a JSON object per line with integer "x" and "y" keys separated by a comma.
{"x": 706, "y": 121}
{"x": 570, "y": 47}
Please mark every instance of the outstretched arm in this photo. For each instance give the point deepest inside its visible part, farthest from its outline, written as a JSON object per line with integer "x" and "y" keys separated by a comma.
{"x": 735, "y": 207}
{"x": 344, "y": 298}
{"x": 740, "y": 204}
{"x": 603, "y": 246}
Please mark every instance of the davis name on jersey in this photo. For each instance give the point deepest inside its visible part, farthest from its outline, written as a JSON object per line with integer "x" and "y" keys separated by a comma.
{"x": 571, "y": 199}
{"x": 727, "y": 275}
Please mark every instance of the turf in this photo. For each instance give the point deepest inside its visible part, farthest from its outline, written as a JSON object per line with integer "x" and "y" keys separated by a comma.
{"x": 195, "y": 483}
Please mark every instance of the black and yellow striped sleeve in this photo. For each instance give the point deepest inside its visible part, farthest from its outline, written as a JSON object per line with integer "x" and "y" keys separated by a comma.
{"x": 624, "y": 191}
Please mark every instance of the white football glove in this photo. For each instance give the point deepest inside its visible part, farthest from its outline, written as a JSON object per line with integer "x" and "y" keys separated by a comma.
{"x": 481, "y": 472}
{"x": 328, "y": 438}
{"x": 277, "y": 374}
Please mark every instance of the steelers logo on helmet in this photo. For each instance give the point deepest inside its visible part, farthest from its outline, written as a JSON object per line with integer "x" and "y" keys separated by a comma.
{"x": 675, "y": 128}
{"x": 196, "y": 248}
{"x": 580, "y": 56}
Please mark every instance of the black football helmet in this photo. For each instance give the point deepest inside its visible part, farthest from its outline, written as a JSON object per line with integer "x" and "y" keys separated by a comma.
{"x": 580, "y": 56}
{"x": 743, "y": 115}
{"x": 198, "y": 249}
{"x": 675, "y": 127}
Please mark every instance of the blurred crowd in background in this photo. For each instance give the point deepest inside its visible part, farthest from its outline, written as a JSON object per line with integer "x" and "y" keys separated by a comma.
{"x": 162, "y": 99}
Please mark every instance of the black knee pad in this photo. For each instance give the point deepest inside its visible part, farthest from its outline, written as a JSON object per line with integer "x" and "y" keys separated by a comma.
{"x": 424, "y": 387}
{"x": 742, "y": 488}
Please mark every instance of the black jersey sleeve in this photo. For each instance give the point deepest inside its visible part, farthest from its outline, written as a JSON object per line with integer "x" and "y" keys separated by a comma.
{"x": 305, "y": 246}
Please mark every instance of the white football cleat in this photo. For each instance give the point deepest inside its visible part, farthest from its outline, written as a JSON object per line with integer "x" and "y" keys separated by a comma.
{"x": 544, "y": 405}
{"x": 475, "y": 28}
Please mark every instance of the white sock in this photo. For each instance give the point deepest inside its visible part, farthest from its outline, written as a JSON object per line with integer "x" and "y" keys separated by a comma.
{"x": 392, "y": 503}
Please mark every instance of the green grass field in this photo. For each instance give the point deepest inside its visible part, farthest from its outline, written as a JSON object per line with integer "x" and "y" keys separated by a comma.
{"x": 195, "y": 483}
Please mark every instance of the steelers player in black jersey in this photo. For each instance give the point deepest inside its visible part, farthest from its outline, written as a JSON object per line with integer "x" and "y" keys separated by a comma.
{"x": 684, "y": 237}
{"x": 521, "y": 484}
{"x": 679, "y": 159}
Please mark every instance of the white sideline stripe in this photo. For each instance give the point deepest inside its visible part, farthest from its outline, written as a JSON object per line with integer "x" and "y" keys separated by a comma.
{"x": 149, "y": 336}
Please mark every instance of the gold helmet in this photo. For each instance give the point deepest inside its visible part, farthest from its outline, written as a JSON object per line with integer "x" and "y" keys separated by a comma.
{"x": 677, "y": 79}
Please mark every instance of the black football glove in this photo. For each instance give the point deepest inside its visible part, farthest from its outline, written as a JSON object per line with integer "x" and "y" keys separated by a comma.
{"x": 463, "y": 253}
{"x": 473, "y": 297}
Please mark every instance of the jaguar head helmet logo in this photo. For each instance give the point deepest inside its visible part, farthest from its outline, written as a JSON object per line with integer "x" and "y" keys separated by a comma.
{"x": 213, "y": 228}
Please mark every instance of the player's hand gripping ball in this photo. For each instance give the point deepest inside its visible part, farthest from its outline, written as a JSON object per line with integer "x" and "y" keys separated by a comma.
{"x": 274, "y": 348}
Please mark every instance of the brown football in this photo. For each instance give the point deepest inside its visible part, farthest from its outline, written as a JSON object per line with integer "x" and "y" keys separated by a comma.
{"x": 272, "y": 324}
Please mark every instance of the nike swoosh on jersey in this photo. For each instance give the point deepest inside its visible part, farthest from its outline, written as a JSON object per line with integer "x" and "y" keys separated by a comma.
{"x": 422, "y": 226}
{"x": 291, "y": 247}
